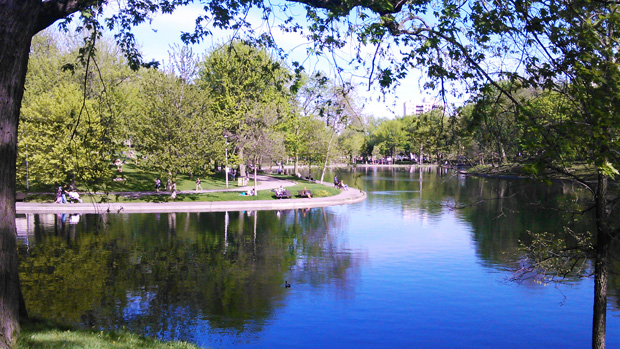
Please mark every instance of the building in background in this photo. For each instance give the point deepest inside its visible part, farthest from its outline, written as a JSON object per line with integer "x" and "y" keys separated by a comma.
{"x": 412, "y": 107}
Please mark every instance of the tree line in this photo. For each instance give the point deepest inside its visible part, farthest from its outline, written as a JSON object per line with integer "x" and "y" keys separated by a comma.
{"x": 183, "y": 117}
{"x": 488, "y": 130}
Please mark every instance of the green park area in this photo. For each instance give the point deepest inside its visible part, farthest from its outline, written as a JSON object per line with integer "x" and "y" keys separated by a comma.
{"x": 138, "y": 186}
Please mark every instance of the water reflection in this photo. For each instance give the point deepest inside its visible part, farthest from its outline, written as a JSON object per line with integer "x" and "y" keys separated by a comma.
{"x": 501, "y": 212}
{"x": 164, "y": 277}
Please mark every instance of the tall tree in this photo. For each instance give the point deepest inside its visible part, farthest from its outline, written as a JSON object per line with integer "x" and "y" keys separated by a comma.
{"x": 334, "y": 104}
{"x": 70, "y": 118}
{"x": 389, "y": 137}
{"x": 242, "y": 79}
{"x": 173, "y": 126}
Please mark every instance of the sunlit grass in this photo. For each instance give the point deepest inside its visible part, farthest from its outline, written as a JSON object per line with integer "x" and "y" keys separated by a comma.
{"x": 136, "y": 179}
{"x": 318, "y": 190}
{"x": 47, "y": 335}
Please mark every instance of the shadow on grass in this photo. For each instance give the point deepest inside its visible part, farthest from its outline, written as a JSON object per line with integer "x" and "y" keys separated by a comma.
{"x": 135, "y": 180}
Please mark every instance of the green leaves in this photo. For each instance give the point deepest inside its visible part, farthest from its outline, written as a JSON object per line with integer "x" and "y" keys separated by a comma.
{"x": 251, "y": 94}
{"x": 608, "y": 169}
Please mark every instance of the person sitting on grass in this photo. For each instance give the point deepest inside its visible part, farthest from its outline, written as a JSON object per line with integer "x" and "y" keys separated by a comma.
{"x": 248, "y": 193}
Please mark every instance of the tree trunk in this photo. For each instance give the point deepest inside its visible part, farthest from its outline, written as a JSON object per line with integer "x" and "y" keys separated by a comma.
{"x": 329, "y": 146}
{"x": 504, "y": 156}
{"x": 255, "y": 180}
{"x": 601, "y": 258}
{"x": 17, "y": 26}
{"x": 295, "y": 166}
{"x": 242, "y": 172}
{"x": 421, "y": 159}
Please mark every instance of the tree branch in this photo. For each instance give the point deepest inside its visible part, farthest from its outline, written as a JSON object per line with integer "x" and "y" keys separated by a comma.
{"x": 53, "y": 10}
{"x": 344, "y": 6}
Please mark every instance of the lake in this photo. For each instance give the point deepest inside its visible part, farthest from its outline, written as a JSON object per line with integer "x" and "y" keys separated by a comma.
{"x": 425, "y": 261}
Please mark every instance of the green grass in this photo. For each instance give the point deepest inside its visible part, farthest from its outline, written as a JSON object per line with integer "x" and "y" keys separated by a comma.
{"x": 37, "y": 334}
{"x": 318, "y": 190}
{"x": 138, "y": 180}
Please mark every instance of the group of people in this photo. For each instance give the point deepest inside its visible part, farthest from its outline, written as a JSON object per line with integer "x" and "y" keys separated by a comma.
{"x": 340, "y": 184}
{"x": 67, "y": 195}
{"x": 171, "y": 186}
{"x": 279, "y": 191}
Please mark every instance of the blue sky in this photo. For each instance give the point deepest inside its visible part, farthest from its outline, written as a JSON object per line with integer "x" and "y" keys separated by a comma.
{"x": 156, "y": 37}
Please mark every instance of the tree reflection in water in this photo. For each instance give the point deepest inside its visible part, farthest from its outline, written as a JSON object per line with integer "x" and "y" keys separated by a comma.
{"x": 165, "y": 278}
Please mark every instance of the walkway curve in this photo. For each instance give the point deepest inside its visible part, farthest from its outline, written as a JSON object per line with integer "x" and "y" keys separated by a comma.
{"x": 265, "y": 183}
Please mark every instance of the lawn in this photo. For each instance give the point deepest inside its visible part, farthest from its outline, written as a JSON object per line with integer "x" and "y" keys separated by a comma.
{"x": 318, "y": 190}
{"x": 135, "y": 179}
{"x": 38, "y": 334}
{"x": 185, "y": 184}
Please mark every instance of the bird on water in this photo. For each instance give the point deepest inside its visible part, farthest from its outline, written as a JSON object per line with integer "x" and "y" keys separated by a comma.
{"x": 286, "y": 284}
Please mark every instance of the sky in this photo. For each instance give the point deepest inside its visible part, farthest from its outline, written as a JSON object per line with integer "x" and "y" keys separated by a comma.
{"x": 156, "y": 37}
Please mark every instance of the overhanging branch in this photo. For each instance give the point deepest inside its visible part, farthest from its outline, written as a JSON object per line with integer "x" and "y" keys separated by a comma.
{"x": 53, "y": 10}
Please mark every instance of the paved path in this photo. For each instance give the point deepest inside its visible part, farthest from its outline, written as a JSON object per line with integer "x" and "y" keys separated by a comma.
{"x": 265, "y": 183}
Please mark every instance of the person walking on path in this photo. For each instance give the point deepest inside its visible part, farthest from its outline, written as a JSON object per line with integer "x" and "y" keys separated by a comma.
{"x": 198, "y": 184}
{"x": 157, "y": 184}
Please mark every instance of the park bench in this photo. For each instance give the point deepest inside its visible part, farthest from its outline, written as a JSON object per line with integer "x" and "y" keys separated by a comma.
{"x": 285, "y": 194}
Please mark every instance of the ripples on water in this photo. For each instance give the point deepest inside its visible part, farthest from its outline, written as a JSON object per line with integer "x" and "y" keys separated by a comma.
{"x": 398, "y": 270}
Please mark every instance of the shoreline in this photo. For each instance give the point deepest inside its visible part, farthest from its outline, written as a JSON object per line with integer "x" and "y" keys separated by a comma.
{"x": 350, "y": 196}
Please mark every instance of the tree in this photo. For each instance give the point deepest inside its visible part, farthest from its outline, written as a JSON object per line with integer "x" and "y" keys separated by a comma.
{"x": 334, "y": 104}
{"x": 70, "y": 119}
{"x": 350, "y": 143}
{"x": 174, "y": 126}
{"x": 299, "y": 130}
{"x": 242, "y": 79}
{"x": 262, "y": 140}
{"x": 389, "y": 137}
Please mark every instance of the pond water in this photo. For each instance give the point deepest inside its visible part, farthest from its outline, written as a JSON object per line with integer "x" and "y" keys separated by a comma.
{"x": 412, "y": 266}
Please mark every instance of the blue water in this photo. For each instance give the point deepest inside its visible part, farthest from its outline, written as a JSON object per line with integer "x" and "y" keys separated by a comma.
{"x": 402, "y": 269}
{"x": 420, "y": 284}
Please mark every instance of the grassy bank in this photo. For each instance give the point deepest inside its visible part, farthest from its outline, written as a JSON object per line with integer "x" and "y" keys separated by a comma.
{"x": 147, "y": 195}
{"x": 38, "y": 334}
{"x": 531, "y": 171}
{"x": 318, "y": 190}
